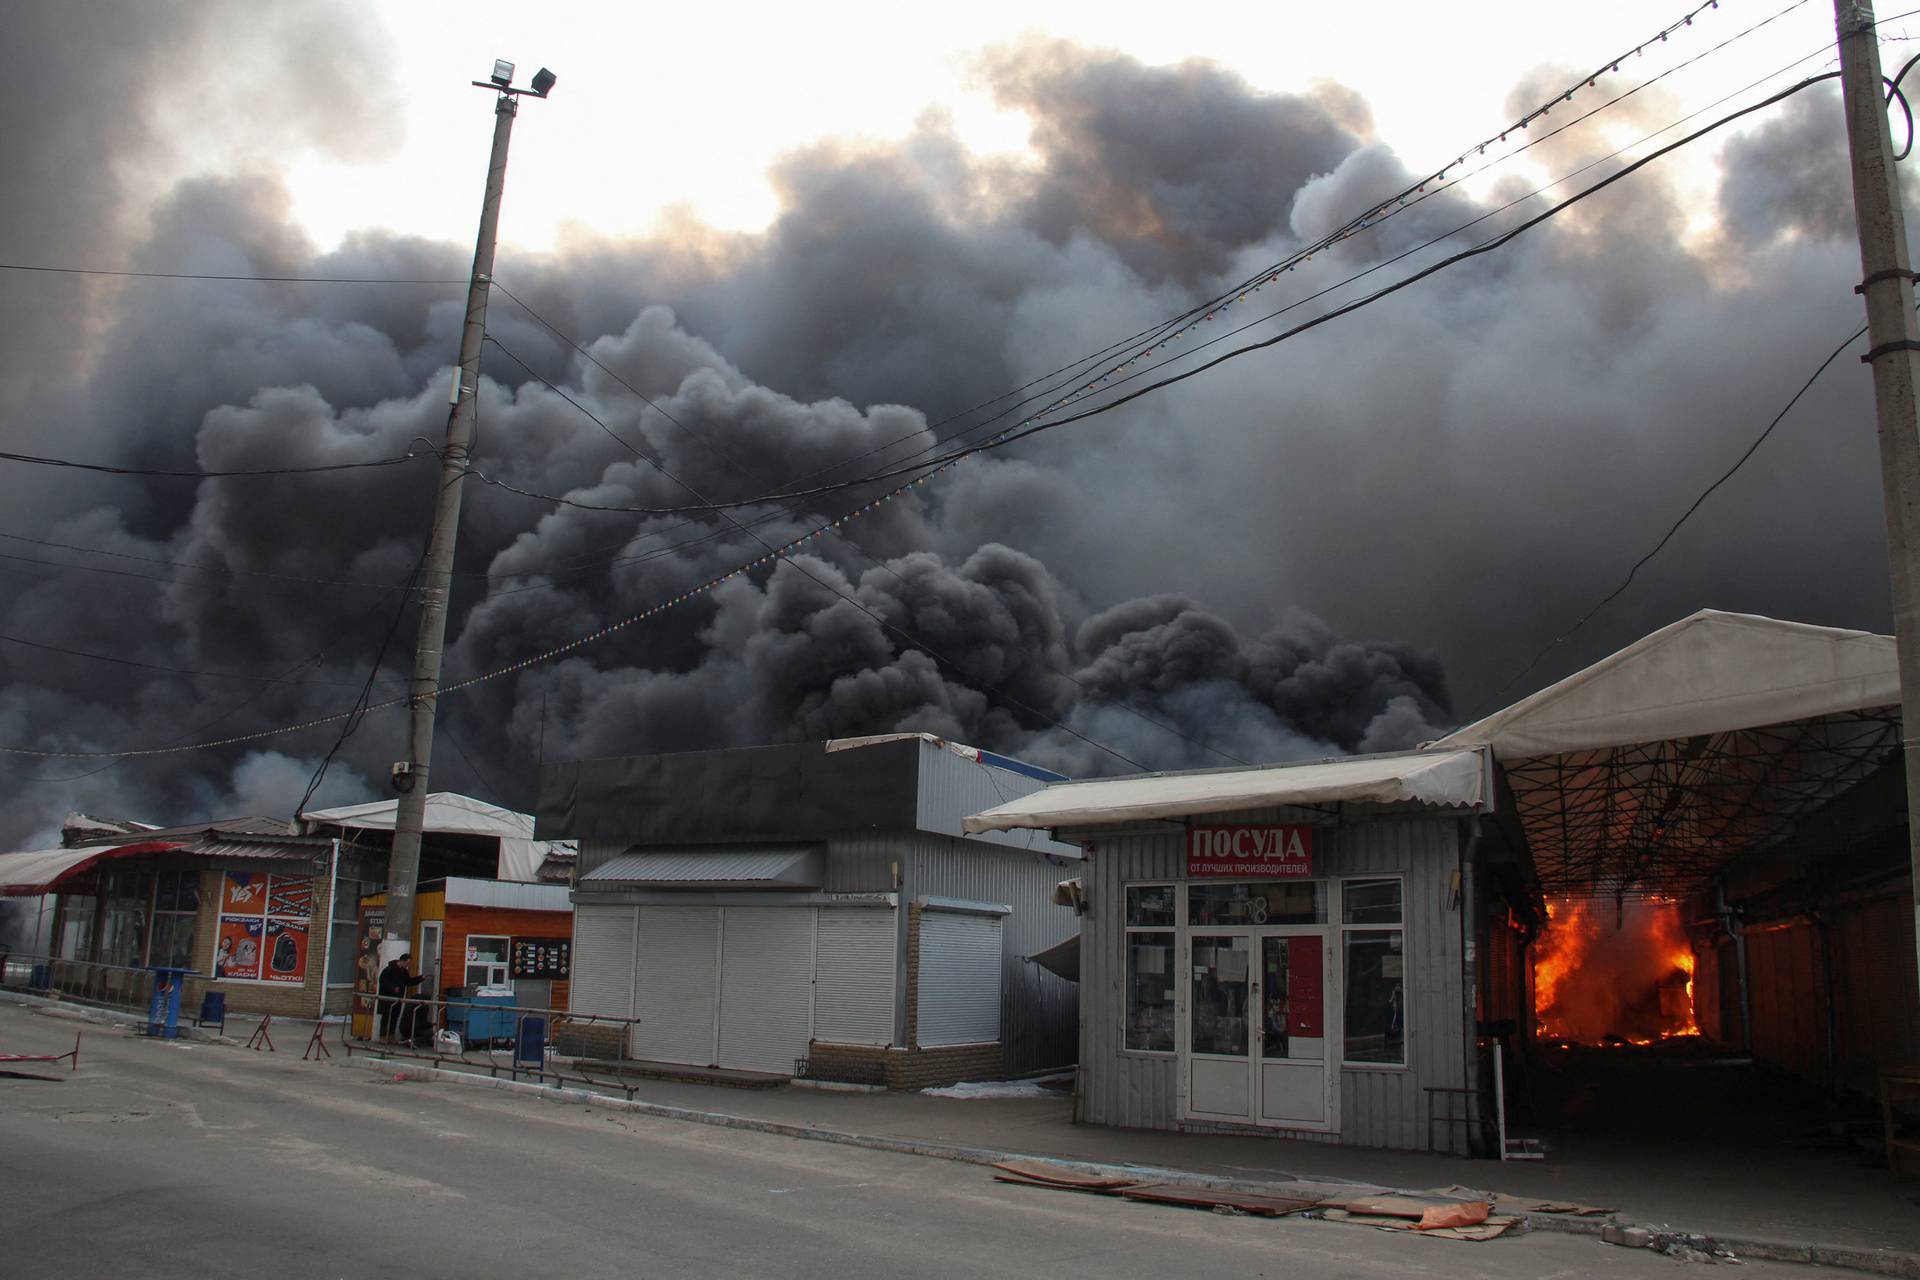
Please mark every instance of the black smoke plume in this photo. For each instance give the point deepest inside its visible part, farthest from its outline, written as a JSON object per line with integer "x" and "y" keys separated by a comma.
{"x": 1464, "y": 468}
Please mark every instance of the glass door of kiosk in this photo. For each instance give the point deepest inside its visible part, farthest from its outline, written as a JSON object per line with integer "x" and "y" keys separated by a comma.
{"x": 1257, "y": 1040}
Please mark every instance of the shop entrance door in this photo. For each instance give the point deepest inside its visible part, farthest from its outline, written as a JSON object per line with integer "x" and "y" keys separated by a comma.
{"x": 427, "y": 963}
{"x": 1258, "y": 1045}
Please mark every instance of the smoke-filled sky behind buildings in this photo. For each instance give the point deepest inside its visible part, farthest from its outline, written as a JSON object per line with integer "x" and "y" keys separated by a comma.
{"x": 1347, "y": 542}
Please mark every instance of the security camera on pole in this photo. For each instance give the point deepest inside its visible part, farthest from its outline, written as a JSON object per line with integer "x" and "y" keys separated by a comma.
{"x": 436, "y": 576}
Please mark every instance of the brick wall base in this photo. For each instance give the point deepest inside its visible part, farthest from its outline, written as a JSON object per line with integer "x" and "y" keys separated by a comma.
{"x": 908, "y": 1068}
{"x": 590, "y": 1040}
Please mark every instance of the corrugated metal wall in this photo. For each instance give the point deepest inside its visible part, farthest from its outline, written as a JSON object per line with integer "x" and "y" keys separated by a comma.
{"x": 1788, "y": 1001}
{"x": 1038, "y": 1011}
{"x": 953, "y": 787}
{"x": 1875, "y": 988}
{"x": 1379, "y": 1107}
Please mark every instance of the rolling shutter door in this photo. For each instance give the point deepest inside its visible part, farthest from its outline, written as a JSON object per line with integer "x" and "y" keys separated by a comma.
{"x": 678, "y": 956}
{"x": 959, "y": 997}
{"x": 853, "y": 976}
{"x": 766, "y": 988}
{"x": 602, "y": 961}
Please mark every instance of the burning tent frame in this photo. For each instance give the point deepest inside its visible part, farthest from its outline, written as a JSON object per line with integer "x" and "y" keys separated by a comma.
{"x": 1650, "y": 771}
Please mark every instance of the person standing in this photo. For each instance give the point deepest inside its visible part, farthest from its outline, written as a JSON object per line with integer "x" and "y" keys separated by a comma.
{"x": 395, "y": 983}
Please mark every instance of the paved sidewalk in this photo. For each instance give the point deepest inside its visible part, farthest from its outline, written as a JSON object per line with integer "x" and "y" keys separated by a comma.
{"x": 1741, "y": 1190}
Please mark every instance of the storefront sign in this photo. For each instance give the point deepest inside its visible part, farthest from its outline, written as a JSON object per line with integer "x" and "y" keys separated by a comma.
{"x": 542, "y": 958}
{"x": 1254, "y": 852}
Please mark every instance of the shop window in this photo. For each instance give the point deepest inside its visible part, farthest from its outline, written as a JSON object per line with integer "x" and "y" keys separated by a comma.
{"x": 129, "y": 898}
{"x": 343, "y": 937}
{"x": 1374, "y": 953}
{"x": 176, "y": 908}
{"x": 1150, "y": 968}
{"x": 1245, "y": 902}
{"x": 486, "y": 960}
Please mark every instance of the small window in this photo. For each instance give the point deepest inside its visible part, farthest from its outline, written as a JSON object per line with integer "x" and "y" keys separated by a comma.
{"x": 486, "y": 961}
{"x": 1150, "y": 905}
{"x": 1258, "y": 902}
{"x": 1371, "y": 901}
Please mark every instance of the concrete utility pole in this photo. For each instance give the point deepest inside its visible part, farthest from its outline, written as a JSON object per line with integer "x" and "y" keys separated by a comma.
{"x": 1887, "y": 272}
{"x": 436, "y": 572}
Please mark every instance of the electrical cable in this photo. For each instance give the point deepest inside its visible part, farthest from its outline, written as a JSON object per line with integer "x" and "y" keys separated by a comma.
{"x": 1685, "y": 516}
{"x": 845, "y": 537}
{"x": 234, "y": 278}
{"x": 165, "y": 473}
{"x": 773, "y": 553}
{"x": 226, "y": 572}
{"x": 361, "y": 709}
{"x": 996, "y": 690}
{"x": 182, "y": 671}
{"x": 920, "y": 470}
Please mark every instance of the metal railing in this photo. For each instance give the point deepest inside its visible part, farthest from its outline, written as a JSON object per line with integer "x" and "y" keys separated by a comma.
{"x": 112, "y": 986}
{"x": 408, "y": 1027}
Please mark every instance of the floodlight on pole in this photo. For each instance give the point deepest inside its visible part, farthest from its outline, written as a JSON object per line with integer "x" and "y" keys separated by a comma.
{"x": 502, "y": 72}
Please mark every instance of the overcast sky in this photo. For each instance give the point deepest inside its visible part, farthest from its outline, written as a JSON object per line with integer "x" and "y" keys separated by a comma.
{"x": 688, "y": 105}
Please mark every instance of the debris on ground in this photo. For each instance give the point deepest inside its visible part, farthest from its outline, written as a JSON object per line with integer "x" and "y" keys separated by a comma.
{"x": 1443, "y": 1217}
{"x": 1040, "y": 1087}
{"x": 1510, "y": 1204}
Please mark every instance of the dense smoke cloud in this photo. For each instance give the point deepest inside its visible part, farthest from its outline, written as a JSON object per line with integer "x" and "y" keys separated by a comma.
{"x": 1463, "y": 469}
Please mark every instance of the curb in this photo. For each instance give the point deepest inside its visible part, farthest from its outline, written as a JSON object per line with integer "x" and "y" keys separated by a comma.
{"x": 1880, "y": 1262}
{"x": 53, "y": 1008}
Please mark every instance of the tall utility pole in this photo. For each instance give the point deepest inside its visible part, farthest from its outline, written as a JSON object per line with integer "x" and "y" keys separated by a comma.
{"x": 1887, "y": 283}
{"x": 436, "y": 571}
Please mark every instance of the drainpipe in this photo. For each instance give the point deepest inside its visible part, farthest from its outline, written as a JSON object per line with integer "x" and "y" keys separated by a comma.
{"x": 1468, "y": 882}
{"x": 1729, "y": 916}
{"x": 326, "y": 952}
{"x": 1825, "y": 934}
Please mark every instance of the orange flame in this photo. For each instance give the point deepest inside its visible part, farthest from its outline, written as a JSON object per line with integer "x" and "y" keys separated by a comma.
{"x": 1613, "y": 974}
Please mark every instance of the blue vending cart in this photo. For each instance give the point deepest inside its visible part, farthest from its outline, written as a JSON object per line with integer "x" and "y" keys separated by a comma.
{"x": 484, "y": 1016}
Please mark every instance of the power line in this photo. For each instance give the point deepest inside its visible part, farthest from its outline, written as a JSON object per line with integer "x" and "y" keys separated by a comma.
{"x": 1685, "y": 516}
{"x": 775, "y": 553}
{"x": 225, "y": 571}
{"x": 166, "y": 473}
{"x": 843, "y": 535}
{"x": 921, "y": 470}
{"x": 42, "y": 269}
{"x": 997, "y": 690}
{"x": 151, "y": 666}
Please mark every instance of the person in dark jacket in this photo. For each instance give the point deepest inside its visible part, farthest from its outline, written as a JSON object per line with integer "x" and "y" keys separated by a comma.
{"x": 395, "y": 982}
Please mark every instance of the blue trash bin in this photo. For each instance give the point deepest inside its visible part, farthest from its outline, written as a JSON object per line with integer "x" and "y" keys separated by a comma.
{"x": 163, "y": 1010}
{"x": 42, "y": 979}
{"x": 213, "y": 1010}
{"x": 530, "y": 1048}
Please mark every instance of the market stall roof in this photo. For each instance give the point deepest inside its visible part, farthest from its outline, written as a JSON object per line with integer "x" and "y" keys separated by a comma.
{"x": 450, "y": 813}
{"x": 1653, "y": 768}
{"x": 1061, "y": 959}
{"x": 1452, "y": 779}
{"x": 447, "y": 811}
{"x": 771, "y": 867}
{"x": 1708, "y": 673}
{"x": 32, "y": 872}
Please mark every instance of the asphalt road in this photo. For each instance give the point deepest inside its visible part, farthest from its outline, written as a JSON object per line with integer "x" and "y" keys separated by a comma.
{"x": 166, "y": 1159}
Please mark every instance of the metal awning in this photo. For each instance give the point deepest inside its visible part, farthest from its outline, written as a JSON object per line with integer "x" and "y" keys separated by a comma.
{"x": 763, "y": 867}
{"x": 32, "y": 872}
{"x": 1062, "y": 958}
{"x": 1450, "y": 779}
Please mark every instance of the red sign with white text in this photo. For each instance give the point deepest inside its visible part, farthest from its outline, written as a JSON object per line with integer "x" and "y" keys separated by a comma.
{"x": 1257, "y": 852}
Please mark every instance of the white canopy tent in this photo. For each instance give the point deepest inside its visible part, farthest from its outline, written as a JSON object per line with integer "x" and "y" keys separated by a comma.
{"x": 454, "y": 814}
{"x": 1647, "y": 771}
{"x": 1457, "y": 779}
